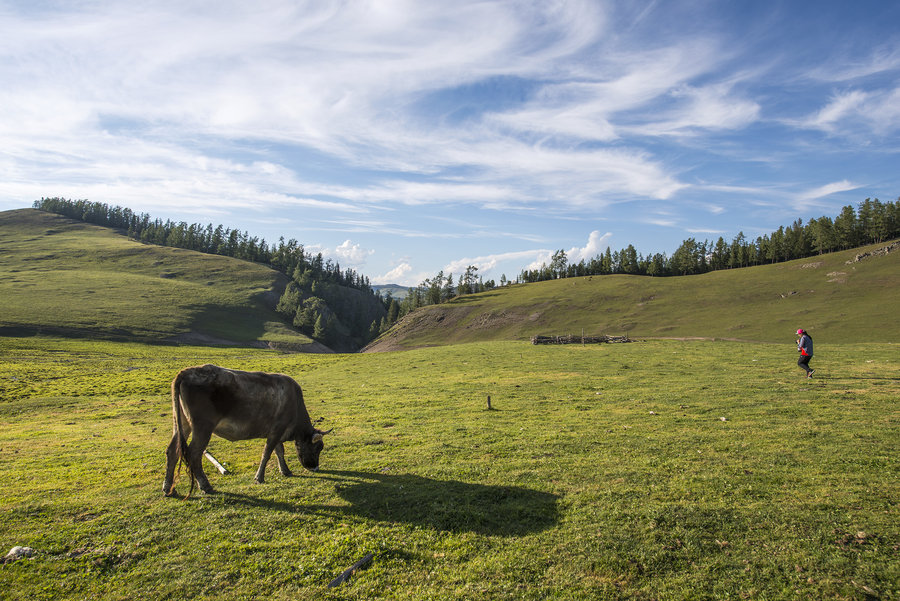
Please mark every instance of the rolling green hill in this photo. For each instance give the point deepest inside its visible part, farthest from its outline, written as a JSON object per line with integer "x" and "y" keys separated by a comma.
{"x": 65, "y": 277}
{"x": 835, "y": 300}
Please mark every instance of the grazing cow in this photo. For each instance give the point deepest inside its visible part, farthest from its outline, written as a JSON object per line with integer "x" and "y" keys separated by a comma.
{"x": 237, "y": 405}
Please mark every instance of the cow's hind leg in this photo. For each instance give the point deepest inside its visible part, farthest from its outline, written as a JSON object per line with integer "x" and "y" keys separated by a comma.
{"x": 171, "y": 460}
{"x": 282, "y": 464}
{"x": 173, "y": 452}
{"x": 195, "y": 456}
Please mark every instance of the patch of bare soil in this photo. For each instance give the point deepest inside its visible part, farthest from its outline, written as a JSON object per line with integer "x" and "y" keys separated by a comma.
{"x": 488, "y": 321}
{"x": 417, "y": 322}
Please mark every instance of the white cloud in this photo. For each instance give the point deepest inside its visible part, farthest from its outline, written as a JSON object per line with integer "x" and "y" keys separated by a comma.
{"x": 840, "y": 107}
{"x": 397, "y": 275}
{"x": 352, "y": 254}
{"x": 708, "y": 108}
{"x": 840, "y": 68}
{"x": 487, "y": 263}
{"x": 858, "y": 112}
{"x": 596, "y": 244}
{"x": 705, "y": 231}
{"x": 883, "y": 112}
{"x": 806, "y": 199}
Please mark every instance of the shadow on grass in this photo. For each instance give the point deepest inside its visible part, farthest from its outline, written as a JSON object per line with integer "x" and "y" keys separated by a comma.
{"x": 445, "y": 504}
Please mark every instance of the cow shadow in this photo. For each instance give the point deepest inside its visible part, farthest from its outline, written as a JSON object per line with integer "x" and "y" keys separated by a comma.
{"x": 445, "y": 505}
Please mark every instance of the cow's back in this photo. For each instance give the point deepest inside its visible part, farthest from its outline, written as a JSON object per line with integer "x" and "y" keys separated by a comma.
{"x": 240, "y": 404}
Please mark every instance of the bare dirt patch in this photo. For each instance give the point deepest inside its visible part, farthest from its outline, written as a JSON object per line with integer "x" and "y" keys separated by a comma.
{"x": 444, "y": 317}
{"x": 495, "y": 320}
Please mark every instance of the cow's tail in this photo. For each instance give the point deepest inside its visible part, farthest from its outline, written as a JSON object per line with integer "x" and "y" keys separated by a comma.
{"x": 183, "y": 454}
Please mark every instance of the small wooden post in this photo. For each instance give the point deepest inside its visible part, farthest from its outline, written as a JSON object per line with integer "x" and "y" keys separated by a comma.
{"x": 489, "y": 403}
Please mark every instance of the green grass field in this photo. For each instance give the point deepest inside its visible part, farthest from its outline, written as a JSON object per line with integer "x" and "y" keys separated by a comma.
{"x": 64, "y": 277}
{"x": 653, "y": 470}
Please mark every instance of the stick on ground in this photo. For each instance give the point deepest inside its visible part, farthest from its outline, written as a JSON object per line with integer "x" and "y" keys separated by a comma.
{"x": 222, "y": 469}
{"x": 346, "y": 574}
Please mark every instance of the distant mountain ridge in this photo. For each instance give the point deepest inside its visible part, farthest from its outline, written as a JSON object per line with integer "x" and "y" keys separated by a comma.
{"x": 395, "y": 291}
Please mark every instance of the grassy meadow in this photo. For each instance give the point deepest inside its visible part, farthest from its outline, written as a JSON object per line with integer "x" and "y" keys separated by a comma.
{"x": 651, "y": 470}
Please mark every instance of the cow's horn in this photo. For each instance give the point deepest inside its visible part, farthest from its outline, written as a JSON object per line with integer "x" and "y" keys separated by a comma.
{"x": 318, "y": 435}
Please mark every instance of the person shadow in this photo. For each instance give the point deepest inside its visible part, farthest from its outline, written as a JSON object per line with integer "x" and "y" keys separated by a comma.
{"x": 446, "y": 505}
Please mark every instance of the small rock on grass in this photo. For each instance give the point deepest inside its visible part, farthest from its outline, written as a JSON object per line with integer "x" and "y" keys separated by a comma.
{"x": 17, "y": 553}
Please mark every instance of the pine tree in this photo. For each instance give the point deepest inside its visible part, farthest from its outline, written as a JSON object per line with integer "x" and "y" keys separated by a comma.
{"x": 319, "y": 330}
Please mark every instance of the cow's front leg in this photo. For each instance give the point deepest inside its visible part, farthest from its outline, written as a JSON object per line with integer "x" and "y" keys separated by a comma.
{"x": 267, "y": 452}
{"x": 282, "y": 464}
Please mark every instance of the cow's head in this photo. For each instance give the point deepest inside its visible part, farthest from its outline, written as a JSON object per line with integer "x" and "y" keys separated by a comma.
{"x": 308, "y": 449}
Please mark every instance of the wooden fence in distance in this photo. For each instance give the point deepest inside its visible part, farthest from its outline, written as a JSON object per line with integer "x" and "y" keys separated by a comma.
{"x": 573, "y": 339}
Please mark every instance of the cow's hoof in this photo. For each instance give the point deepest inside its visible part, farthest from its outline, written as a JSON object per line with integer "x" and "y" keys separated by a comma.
{"x": 259, "y": 480}
{"x": 171, "y": 492}
{"x": 208, "y": 490}
{"x": 287, "y": 474}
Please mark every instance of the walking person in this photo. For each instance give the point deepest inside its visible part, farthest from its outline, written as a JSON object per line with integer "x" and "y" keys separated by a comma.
{"x": 805, "y": 348}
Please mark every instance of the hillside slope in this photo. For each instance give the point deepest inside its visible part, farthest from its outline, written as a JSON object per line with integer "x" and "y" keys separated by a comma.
{"x": 836, "y": 301}
{"x": 65, "y": 277}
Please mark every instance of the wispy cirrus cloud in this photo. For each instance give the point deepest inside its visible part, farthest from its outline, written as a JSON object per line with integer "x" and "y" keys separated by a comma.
{"x": 808, "y": 198}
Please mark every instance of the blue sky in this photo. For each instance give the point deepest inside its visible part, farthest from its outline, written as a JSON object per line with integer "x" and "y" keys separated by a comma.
{"x": 406, "y": 137}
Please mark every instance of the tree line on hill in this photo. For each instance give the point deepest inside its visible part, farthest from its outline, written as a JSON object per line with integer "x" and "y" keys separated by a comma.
{"x": 873, "y": 222}
{"x": 336, "y": 307}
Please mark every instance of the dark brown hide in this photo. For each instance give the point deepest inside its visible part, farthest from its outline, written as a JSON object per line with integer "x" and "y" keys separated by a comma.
{"x": 237, "y": 405}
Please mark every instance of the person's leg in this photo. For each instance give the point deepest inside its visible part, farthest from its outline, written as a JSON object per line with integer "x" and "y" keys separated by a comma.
{"x": 803, "y": 362}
